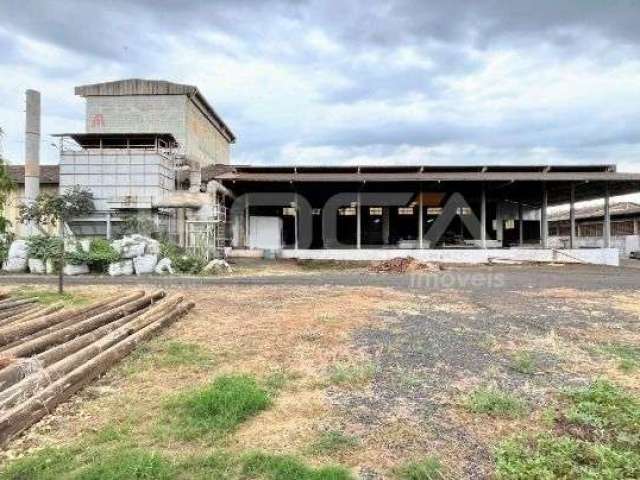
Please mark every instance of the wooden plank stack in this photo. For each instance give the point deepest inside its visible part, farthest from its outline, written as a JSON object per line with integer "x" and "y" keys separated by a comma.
{"x": 47, "y": 353}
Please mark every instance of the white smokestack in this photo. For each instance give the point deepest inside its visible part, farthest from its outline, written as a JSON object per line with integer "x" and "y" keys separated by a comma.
{"x": 32, "y": 150}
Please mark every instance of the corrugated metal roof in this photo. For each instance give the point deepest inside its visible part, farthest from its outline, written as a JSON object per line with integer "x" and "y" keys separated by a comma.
{"x": 615, "y": 209}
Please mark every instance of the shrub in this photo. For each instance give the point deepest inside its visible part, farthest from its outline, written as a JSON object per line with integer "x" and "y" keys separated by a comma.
{"x": 43, "y": 247}
{"x": 187, "y": 264}
{"x": 219, "y": 407}
{"x": 494, "y": 402}
{"x": 77, "y": 256}
{"x": 181, "y": 261}
{"x": 101, "y": 254}
{"x": 5, "y": 243}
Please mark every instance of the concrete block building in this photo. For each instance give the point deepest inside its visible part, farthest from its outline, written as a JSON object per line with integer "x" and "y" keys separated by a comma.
{"x": 145, "y": 145}
{"x": 152, "y": 106}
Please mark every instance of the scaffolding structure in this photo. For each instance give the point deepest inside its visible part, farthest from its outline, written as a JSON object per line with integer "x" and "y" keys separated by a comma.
{"x": 206, "y": 238}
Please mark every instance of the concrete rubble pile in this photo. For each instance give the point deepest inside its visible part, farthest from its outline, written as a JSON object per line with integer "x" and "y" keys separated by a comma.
{"x": 138, "y": 254}
{"x": 48, "y": 352}
{"x": 403, "y": 265}
{"x": 17, "y": 258}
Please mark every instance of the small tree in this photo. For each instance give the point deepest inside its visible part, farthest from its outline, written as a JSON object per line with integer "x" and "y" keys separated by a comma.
{"x": 6, "y": 186}
{"x": 49, "y": 209}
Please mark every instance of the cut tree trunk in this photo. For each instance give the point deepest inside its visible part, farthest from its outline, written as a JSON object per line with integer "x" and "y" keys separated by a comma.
{"x": 20, "y": 368}
{"x": 69, "y": 359}
{"x": 9, "y": 304}
{"x": 62, "y": 335}
{"x": 78, "y": 315}
{"x": 27, "y": 413}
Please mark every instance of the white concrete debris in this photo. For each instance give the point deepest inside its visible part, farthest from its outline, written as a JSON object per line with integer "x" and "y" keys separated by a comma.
{"x": 164, "y": 266}
{"x": 36, "y": 266}
{"x": 217, "y": 266}
{"x": 123, "y": 267}
{"x": 145, "y": 264}
{"x": 18, "y": 249}
{"x": 81, "y": 269}
{"x": 15, "y": 265}
{"x": 17, "y": 257}
{"x": 132, "y": 246}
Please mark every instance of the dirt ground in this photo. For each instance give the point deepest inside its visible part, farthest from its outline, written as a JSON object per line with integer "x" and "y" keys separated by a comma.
{"x": 386, "y": 363}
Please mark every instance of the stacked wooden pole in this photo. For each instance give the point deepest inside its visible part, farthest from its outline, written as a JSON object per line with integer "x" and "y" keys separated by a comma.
{"x": 47, "y": 353}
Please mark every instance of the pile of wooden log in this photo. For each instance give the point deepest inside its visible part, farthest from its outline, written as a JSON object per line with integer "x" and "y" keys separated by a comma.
{"x": 47, "y": 353}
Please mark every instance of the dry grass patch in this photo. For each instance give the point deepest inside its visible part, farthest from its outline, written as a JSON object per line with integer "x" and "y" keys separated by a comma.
{"x": 254, "y": 331}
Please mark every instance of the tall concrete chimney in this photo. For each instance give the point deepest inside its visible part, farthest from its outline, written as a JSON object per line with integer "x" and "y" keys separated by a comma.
{"x": 32, "y": 151}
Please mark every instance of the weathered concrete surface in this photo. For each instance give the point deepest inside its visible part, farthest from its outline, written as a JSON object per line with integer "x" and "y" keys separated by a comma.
{"x": 596, "y": 256}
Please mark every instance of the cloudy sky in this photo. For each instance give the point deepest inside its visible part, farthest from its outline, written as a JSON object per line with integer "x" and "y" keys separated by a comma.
{"x": 337, "y": 82}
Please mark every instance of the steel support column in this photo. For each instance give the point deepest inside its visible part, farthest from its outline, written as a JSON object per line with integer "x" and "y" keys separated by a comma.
{"x": 358, "y": 223}
{"x": 544, "y": 221}
{"x": 420, "y": 220}
{"x": 607, "y": 217}
{"x": 483, "y": 217}
{"x": 572, "y": 217}
{"x": 520, "y": 225}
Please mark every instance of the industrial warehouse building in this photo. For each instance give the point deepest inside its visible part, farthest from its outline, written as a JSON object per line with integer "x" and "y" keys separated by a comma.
{"x": 158, "y": 149}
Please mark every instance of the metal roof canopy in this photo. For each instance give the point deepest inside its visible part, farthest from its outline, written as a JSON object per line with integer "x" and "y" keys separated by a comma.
{"x": 118, "y": 140}
{"x": 517, "y": 183}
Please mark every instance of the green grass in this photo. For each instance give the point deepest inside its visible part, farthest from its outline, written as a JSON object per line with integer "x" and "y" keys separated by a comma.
{"x": 46, "y": 464}
{"x": 284, "y": 467}
{"x": 217, "y": 408}
{"x": 628, "y": 356}
{"x": 353, "y": 375}
{"x": 90, "y": 464}
{"x": 83, "y": 462}
{"x": 607, "y": 411}
{"x": 48, "y": 297}
{"x": 524, "y": 362}
{"x": 279, "y": 380}
{"x": 333, "y": 441}
{"x": 494, "y": 402}
{"x": 596, "y": 435}
{"x": 548, "y": 457}
{"x": 175, "y": 354}
{"x": 132, "y": 464}
{"x": 427, "y": 469}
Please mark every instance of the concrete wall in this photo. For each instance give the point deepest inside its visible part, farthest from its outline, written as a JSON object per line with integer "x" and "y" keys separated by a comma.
{"x": 204, "y": 142}
{"x": 15, "y": 199}
{"x": 598, "y": 256}
{"x": 115, "y": 175}
{"x": 624, "y": 243}
{"x": 175, "y": 114}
